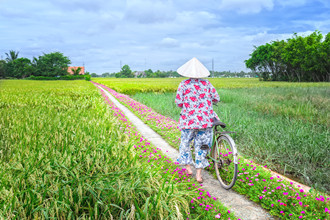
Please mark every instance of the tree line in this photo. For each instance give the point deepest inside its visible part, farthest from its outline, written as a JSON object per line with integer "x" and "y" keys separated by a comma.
{"x": 45, "y": 66}
{"x": 297, "y": 59}
{"x": 126, "y": 72}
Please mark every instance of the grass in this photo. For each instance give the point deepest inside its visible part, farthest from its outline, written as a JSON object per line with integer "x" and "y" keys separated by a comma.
{"x": 279, "y": 196}
{"x": 143, "y": 85}
{"x": 64, "y": 154}
{"x": 285, "y": 128}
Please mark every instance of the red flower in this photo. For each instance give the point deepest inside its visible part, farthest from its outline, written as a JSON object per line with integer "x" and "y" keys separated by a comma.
{"x": 183, "y": 117}
{"x": 204, "y": 83}
{"x": 186, "y": 104}
{"x": 201, "y": 105}
{"x": 205, "y": 113}
{"x": 208, "y": 102}
{"x": 204, "y": 125}
{"x": 178, "y": 96}
{"x": 201, "y": 95}
{"x": 197, "y": 87}
{"x": 200, "y": 118}
{"x": 193, "y": 98}
{"x": 191, "y": 122}
{"x": 187, "y": 82}
{"x": 191, "y": 112}
{"x": 187, "y": 91}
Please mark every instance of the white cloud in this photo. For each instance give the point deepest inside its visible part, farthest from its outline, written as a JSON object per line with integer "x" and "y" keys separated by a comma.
{"x": 169, "y": 42}
{"x": 148, "y": 11}
{"x": 245, "y": 7}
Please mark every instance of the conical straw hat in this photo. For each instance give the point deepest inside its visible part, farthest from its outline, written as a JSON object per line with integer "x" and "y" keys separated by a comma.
{"x": 193, "y": 69}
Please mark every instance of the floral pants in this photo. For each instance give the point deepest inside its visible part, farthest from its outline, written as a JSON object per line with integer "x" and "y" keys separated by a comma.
{"x": 200, "y": 137}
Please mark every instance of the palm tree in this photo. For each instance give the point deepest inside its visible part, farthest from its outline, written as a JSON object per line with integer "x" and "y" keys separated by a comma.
{"x": 76, "y": 71}
{"x": 13, "y": 55}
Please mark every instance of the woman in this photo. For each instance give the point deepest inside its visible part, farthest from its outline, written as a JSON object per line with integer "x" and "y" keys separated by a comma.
{"x": 195, "y": 97}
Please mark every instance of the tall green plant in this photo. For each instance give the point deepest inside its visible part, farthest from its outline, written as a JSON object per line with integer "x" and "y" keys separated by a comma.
{"x": 12, "y": 55}
{"x": 125, "y": 72}
{"x": 52, "y": 64}
{"x": 19, "y": 68}
{"x": 297, "y": 59}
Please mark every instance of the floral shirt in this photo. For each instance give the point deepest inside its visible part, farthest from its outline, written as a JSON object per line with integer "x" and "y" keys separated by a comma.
{"x": 195, "y": 97}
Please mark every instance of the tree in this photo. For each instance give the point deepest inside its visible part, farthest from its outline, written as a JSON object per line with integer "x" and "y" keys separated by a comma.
{"x": 105, "y": 74}
{"x": 149, "y": 73}
{"x": 12, "y": 56}
{"x": 52, "y": 64}
{"x": 19, "y": 68}
{"x": 125, "y": 72}
{"x": 297, "y": 59}
{"x": 94, "y": 75}
{"x": 76, "y": 71}
{"x": 2, "y": 68}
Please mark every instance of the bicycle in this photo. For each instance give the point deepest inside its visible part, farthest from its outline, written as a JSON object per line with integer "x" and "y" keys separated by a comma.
{"x": 224, "y": 154}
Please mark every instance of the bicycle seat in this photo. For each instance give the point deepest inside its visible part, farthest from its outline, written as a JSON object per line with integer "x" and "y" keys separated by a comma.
{"x": 217, "y": 122}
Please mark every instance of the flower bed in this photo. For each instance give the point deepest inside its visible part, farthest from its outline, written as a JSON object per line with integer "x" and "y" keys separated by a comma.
{"x": 276, "y": 194}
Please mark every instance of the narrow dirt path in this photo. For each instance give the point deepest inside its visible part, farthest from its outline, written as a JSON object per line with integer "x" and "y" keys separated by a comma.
{"x": 240, "y": 205}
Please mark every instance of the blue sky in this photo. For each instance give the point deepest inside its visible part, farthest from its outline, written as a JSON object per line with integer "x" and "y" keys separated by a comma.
{"x": 156, "y": 34}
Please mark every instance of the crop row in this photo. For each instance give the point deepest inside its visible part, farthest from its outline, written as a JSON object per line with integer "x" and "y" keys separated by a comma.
{"x": 279, "y": 196}
{"x": 136, "y": 85}
{"x": 64, "y": 154}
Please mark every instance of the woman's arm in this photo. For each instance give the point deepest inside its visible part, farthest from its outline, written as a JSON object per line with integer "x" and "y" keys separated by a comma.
{"x": 179, "y": 96}
{"x": 214, "y": 94}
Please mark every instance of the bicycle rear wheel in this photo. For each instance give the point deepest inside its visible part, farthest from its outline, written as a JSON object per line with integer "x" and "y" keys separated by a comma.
{"x": 224, "y": 154}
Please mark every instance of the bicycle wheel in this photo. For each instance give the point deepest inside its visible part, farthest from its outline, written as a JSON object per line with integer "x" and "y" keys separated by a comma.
{"x": 224, "y": 154}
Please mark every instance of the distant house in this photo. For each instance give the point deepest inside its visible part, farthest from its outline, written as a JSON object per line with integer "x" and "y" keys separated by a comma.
{"x": 82, "y": 69}
{"x": 139, "y": 74}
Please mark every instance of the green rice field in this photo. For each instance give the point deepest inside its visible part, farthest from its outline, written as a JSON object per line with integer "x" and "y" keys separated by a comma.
{"x": 282, "y": 125}
{"x": 66, "y": 154}
{"x": 135, "y": 85}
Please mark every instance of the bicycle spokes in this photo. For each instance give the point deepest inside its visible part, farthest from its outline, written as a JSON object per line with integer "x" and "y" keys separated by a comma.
{"x": 224, "y": 165}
